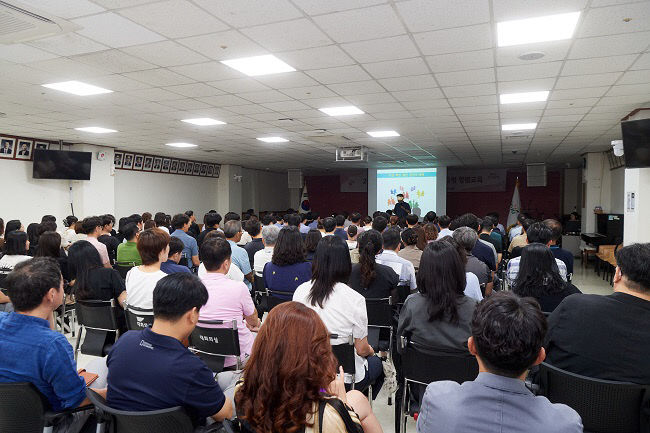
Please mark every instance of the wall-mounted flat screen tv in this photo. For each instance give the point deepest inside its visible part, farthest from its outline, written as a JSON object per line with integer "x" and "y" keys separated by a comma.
{"x": 62, "y": 164}
{"x": 636, "y": 143}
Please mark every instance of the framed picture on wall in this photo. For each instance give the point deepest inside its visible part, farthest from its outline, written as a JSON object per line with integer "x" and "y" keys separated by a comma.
{"x": 217, "y": 170}
{"x": 118, "y": 158}
{"x": 173, "y": 168}
{"x": 157, "y": 163}
{"x": 204, "y": 169}
{"x": 165, "y": 165}
{"x": 210, "y": 170}
{"x": 181, "y": 167}
{"x": 138, "y": 162}
{"x": 7, "y": 146}
{"x": 43, "y": 145}
{"x": 128, "y": 161}
{"x": 24, "y": 149}
{"x": 148, "y": 163}
{"x": 189, "y": 168}
{"x": 197, "y": 169}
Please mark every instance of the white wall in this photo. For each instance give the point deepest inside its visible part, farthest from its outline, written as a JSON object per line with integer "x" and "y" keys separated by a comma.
{"x": 265, "y": 191}
{"x": 636, "y": 227}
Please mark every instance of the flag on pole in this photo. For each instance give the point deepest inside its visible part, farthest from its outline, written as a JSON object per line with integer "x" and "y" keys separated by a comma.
{"x": 515, "y": 206}
{"x": 304, "y": 199}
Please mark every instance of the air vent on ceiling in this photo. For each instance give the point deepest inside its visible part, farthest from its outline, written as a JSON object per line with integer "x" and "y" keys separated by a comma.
{"x": 19, "y": 24}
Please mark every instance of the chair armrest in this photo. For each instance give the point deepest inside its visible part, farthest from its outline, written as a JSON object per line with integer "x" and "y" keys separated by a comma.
{"x": 53, "y": 418}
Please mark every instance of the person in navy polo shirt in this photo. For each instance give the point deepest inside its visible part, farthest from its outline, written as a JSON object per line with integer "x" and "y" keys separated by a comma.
{"x": 181, "y": 224}
{"x": 151, "y": 369}
{"x": 171, "y": 266}
{"x": 30, "y": 351}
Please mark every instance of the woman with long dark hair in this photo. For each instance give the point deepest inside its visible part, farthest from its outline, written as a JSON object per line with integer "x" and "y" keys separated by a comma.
{"x": 288, "y": 268}
{"x": 439, "y": 315}
{"x": 15, "y": 251}
{"x": 341, "y": 308}
{"x": 291, "y": 373}
{"x": 539, "y": 277}
{"x": 369, "y": 278}
{"x": 311, "y": 242}
{"x": 49, "y": 245}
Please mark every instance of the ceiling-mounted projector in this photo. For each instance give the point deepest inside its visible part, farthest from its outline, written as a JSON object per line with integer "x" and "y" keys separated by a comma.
{"x": 359, "y": 153}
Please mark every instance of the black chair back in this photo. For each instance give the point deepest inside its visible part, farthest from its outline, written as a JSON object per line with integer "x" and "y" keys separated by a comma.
{"x": 214, "y": 345}
{"x": 261, "y": 296}
{"x": 98, "y": 319}
{"x": 138, "y": 318}
{"x": 123, "y": 268}
{"x": 172, "y": 420}
{"x": 425, "y": 366}
{"x": 21, "y": 408}
{"x": 345, "y": 354}
{"x": 604, "y": 406}
{"x": 380, "y": 316}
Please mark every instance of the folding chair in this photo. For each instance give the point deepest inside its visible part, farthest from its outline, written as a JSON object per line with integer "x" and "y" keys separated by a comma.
{"x": 123, "y": 268}
{"x": 605, "y": 406}
{"x": 138, "y": 318}
{"x": 345, "y": 354}
{"x": 214, "y": 345}
{"x": 99, "y": 320}
{"x": 66, "y": 311}
{"x": 380, "y": 317}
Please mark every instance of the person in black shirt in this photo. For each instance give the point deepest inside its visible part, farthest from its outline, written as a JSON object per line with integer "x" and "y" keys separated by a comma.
{"x": 401, "y": 207}
{"x": 210, "y": 222}
{"x": 311, "y": 242}
{"x": 486, "y": 229}
{"x": 194, "y": 229}
{"x": 559, "y": 253}
{"x": 371, "y": 279}
{"x": 49, "y": 245}
{"x": 111, "y": 242}
{"x": 606, "y": 337}
{"x": 253, "y": 228}
{"x": 481, "y": 251}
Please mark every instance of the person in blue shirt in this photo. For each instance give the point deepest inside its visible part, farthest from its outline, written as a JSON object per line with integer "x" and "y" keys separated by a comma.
{"x": 340, "y": 230}
{"x": 401, "y": 207}
{"x": 31, "y": 351}
{"x": 151, "y": 369}
{"x": 288, "y": 268}
{"x": 171, "y": 266}
{"x": 559, "y": 253}
{"x": 233, "y": 233}
{"x": 181, "y": 224}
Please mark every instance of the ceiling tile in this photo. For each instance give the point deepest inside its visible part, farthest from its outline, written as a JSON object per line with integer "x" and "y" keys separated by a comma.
{"x": 265, "y": 96}
{"x": 461, "y": 61}
{"x": 591, "y": 80}
{"x": 21, "y": 53}
{"x": 341, "y": 74}
{"x": 474, "y": 76}
{"x": 239, "y": 13}
{"x": 428, "y": 15}
{"x": 369, "y": 23}
{"x": 643, "y": 62}
{"x": 610, "y": 45}
{"x": 553, "y": 51}
{"x": 210, "y": 71}
{"x": 610, "y": 20}
{"x": 397, "y": 68}
{"x": 377, "y": 50}
{"x": 456, "y": 40}
{"x": 587, "y": 92}
{"x": 115, "y": 31}
{"x": 287, "y": 80}
{"x": 635, "y": 77}
{"x": 417, "y": 95}
{"x": 67, "y": 9}
{"x": 224, "y": 45}
{"x": 356, "y": 88}
{"x": 408, "y": 83}
{"x": 159, "y": 77}
{"x": 194, "y": 90}
{"x": 598, "y": 65}
{"x": 239, "y": 85}
{"x": 470, "y": 90}
{"x": 516, "y": 9}
{"x": 525, "y": 86}
{"x": 165, "y": 53}
{"x": 288, "y": 35}
{"x": 316, "y": 58}
{"x": 521, "y": 72}
{"x": 114, "y": 61}
{"x": 317, "y": 7}
{"x": 371, "y": 98}
{"x": 68, "y": 44}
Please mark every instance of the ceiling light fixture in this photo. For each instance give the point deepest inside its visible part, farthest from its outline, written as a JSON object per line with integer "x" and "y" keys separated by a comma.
{"x": 341, "y": 111}
{"x": 539, "y": 29}
{"x": 518, "y": 126}
{"x": 381, "y": 134}
{"x": 259, "y": 65}
{"x": 204, "y": 121}
{"x": 517, "y": 98}
{"x": 273, "y": 139}
{"x": 180, "y": 144}
{"x": 77, "y": 88}
{"x": 96, "y": 129}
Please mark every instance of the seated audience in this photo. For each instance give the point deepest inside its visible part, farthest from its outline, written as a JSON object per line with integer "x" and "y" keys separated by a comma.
{"x": 539, "y": 278}
{"x": 467, "y": 238}
{"x": 127, "y": 252}
{"x": 49, "y": 245}
{"x": 69, "y": 233}
{"x": 342, "y": 309}
{"x": 234, "y": 273}
{"x": 161, "y": 221}
{"x": 92, "y": 227}
{"x": 14, "y": 225}
{"x": 106, "y": 237}
{"x": 472, "y": 285}
{"x": 430, "y": 232}
{"x": 506, "y": 338}
{"x": 288, "y": 268}
{"x": 90, "y": 279}
{"x": 210, "y": 222}
{"x": 153, "y": 246}
{"x": 292, "y": 372}
{"x": 369, "y": 278}
{"x": 340, "y": 229}
{"x": 32, "y": 236}
{"x": 254, "y": 229}
{"x": 389, "y": 257}
{"x": 151, "y": 369}
{"x": 181, "y": 224}
{"x": 379, "y": 223}
{"x": 171, "y": 266}
{"x": 444, "y": 222}
{"x": 498, "y": 225}
{"x": 15, "y": 252}
{"x": 536, "y": 233}
{"x": 233, "y": 232}
{"x": 481, "y": 251}
{"x": 353, "y": 232}
{"x": 150, "y": 224}
{"x": 487, "y": 224}
{"x": 519, "y": 241}
{"x": 517, "y": 229}
{"x": 227, "y": 300}
{"x": 559, "y": 253}
{"x": 410, "y": 251}
{"x": 193, "y": 230}
{"x": 269, "y": 238}
{"x": 606, "y": 337}
{"x": 329, "y": 225}
{"x": 304, "y": 229}
{"x": 31, "y": 351}
{"x": 439, "y": 315}
{"x": 311, "y": 243}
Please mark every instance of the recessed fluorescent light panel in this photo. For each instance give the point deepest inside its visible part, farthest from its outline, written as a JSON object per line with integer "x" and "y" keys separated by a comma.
{"x": 259, "y": 65}
{"x": 180, "y": 144}
{"x": 381, "y": 134}
{"x": 341, "y": 111}
{"x": 77, "y": 88}
{"x": 518, "y": 126}
{"x": 96, "y": 130}
{"x": 273, "y": 139}
{"x": 517, "y": 98}
{"x": 204, "y": 121}
{"x": 540, "y": 29}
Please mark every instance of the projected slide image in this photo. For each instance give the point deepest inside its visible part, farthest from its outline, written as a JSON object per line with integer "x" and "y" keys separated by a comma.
{"x": 417, "y": 184}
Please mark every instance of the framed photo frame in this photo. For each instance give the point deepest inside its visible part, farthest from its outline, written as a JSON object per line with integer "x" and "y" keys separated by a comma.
{"x": 118, "y": 159}
{"x": 157, "y": 164}
{"x": 7, "y": 147}
{"x": 210, "y": 171}
{"x": 173, "y": 167}
{"x": 181, "y": 167}
{"x": 138, "y": 162}
{"x": 204, "y": 169}
{"x": 148, "y": 163}
{"x": 189, "y": 168}
{"x": 24, "y": 149}
{"x": 43, "y": 145}
{"x": 197, "y": 169}
{"x": 165, "y": 165}
{"x": 128, "y": 161}
{"x": 217, "y": 170}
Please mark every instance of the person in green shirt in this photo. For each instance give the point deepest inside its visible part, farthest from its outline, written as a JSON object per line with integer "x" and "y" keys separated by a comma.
{"x": 127, "y": 252}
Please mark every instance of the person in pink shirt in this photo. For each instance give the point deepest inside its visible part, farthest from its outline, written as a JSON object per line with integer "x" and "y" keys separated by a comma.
{"x": 92, "y": 226}
{"x": 227, "y": 299}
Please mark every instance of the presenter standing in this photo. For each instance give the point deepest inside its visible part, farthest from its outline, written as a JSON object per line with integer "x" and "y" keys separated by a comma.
{"x": 401, "y": 207}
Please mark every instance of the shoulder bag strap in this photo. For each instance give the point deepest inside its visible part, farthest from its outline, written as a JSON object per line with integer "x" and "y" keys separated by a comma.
{"x": 342, "y": 410}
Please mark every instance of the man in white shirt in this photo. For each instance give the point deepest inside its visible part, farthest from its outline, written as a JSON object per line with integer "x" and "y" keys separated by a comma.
{"x": 516, "y": 230}
{"x": 262, "y": 257}
{"x": 389, "y": 257}
{"x": 92, "y": 226}
{"x": 329, "y": 225}
{"x": 444, "y": 222}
